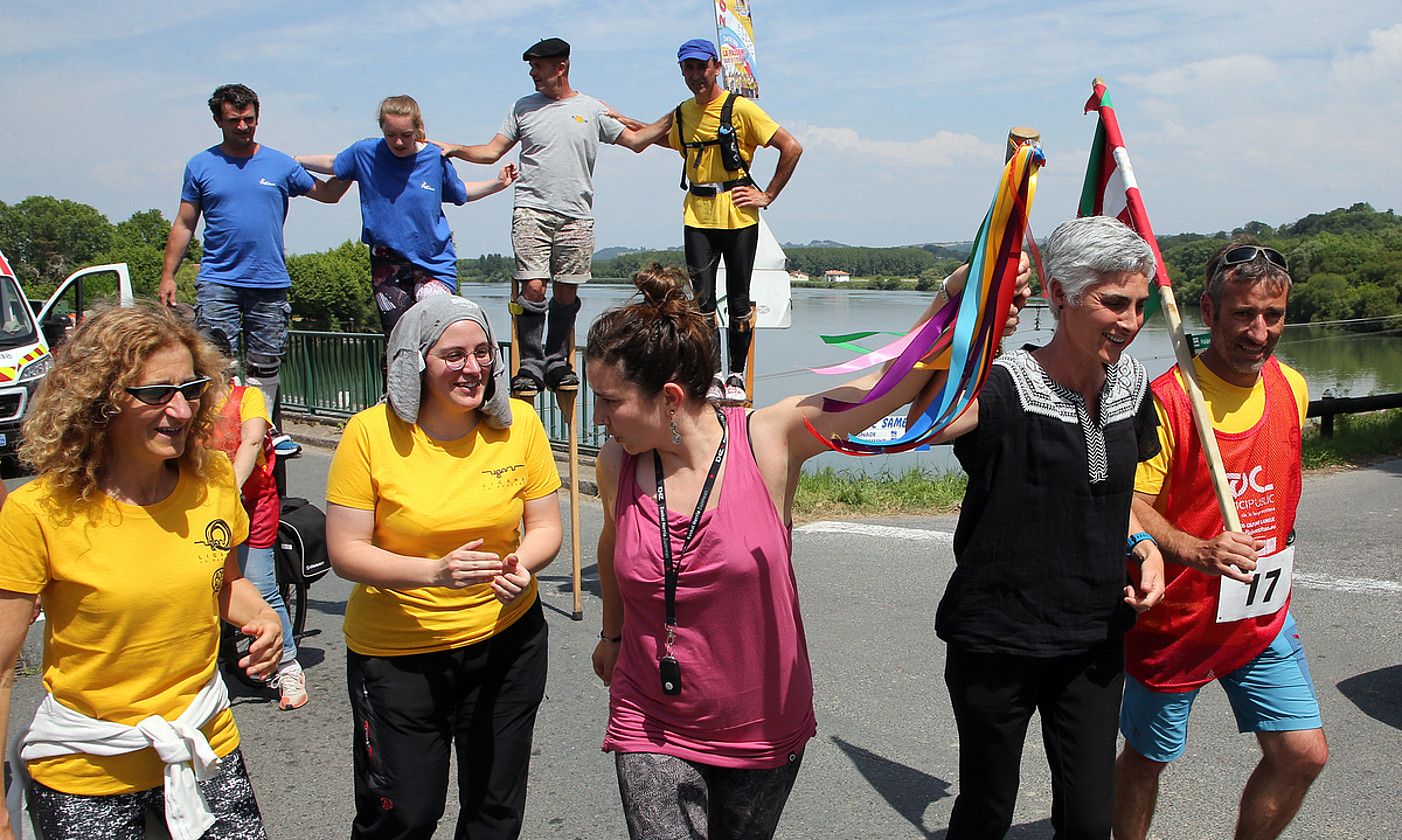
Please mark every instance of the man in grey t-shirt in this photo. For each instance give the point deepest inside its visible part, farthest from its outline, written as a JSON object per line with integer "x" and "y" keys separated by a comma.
{"x": 552, "y": 226}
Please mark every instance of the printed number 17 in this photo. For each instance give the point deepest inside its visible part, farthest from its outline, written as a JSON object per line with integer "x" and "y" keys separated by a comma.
{"x": 1273, "y": 576}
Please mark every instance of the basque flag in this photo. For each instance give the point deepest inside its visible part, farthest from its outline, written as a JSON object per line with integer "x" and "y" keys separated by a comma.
{"x": 1110, "y": 188}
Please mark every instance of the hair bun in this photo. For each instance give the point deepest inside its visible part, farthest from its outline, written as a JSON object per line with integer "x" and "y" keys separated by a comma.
{"x": 664, "y": 287}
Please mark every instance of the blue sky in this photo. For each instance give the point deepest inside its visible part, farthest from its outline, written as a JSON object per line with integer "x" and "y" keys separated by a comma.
{"x": 1231, "y": 111}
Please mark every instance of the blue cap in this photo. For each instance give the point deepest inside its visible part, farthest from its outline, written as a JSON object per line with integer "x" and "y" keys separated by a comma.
{"x": 697, "y": 48}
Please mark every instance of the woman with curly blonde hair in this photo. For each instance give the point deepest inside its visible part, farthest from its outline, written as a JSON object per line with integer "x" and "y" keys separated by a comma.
{"x": 128, "y": 535}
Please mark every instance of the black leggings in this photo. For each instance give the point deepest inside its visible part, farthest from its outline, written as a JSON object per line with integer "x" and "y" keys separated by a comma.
{"x": 705, "y": 247}
{"x": 1078, "y": 698}
{"x": 670, "y": 798}
{"x": 122, "y": 816}
{"x": 411, "y": 711}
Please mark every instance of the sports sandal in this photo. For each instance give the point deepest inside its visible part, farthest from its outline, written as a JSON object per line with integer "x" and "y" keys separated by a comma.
{"x": 525, "y": 385}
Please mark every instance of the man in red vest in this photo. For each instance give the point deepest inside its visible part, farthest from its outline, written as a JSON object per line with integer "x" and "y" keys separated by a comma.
{"x": 1225, "y": 614}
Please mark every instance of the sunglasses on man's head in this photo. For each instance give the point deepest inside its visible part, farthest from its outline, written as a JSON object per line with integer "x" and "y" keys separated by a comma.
{"x": 1246, "y": 253}
{"x": 162, "y": 394}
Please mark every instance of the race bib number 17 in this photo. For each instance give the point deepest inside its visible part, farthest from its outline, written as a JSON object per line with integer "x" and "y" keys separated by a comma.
{"x": 1264, "y": 595}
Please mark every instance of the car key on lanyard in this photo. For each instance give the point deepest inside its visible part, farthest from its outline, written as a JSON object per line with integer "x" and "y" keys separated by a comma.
{"x": 668, "y": 668}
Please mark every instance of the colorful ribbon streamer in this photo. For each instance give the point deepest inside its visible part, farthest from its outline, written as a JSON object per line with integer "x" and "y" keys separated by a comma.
{"x": 964, "y": 336}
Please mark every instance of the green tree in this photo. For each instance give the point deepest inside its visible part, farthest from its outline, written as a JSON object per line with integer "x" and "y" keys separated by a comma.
{"x": 1324, "y": 297}
{"x": 140, "y": 242}
{"x": 331, "y": 290}
{"x": 48, "y": 238}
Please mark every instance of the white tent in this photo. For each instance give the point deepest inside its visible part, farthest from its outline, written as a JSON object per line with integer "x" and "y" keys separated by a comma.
{"x": 769, "y": 284}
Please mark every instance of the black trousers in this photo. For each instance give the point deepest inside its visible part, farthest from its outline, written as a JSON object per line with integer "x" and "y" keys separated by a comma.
{"x": 1078, "y": 698}
{"x": 409, "y": 711}
{"x": 704, "y": 249}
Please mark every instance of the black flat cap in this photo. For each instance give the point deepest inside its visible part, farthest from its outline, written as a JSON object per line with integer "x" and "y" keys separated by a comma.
{"x": 549, "y": 48}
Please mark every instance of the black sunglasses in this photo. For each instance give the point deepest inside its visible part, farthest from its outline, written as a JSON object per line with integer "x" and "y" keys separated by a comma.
{"x": 162, "y": 394}
{"x": 1247, "y": 253}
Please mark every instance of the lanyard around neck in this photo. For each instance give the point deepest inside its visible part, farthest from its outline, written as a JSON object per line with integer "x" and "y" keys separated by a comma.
{"x": 669, "y": 565}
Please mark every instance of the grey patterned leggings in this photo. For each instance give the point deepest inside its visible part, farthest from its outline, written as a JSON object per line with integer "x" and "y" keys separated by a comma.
{"x": 121, "y": 816}
{"x": 670, "y": 798}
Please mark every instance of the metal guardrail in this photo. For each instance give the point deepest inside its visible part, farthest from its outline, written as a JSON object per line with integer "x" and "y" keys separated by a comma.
{"x": 335, "y": 375}
{"x": 1326, "y": 408}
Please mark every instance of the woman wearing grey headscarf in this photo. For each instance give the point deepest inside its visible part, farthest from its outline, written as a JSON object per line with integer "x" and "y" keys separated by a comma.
{"x": 441, "y": 507}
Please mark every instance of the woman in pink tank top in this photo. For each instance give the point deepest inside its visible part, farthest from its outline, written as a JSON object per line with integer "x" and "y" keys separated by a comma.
{"x": 702, "y": 646}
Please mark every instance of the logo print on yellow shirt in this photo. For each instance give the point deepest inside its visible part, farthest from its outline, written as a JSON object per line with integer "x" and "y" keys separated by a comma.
{"x": 506, "y": 477}
{"x": 217, "y": 535}
{"x": 216, "y": 581}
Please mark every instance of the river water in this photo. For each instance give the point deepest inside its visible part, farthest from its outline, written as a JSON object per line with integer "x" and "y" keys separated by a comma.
{"x": 1332, "y": 361}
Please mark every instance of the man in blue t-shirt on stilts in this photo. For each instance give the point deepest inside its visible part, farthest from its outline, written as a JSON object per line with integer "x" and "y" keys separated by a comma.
{"x": 241, "y": 188}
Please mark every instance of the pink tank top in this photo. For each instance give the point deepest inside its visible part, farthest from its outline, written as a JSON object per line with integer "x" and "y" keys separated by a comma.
{"x": 747, "y": 688}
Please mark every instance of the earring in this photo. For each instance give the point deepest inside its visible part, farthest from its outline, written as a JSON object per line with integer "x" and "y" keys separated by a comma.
{"x": 676, "y": 435}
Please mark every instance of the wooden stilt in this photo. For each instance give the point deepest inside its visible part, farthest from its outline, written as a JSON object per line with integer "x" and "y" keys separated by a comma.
{"x": 750, "y": 360}
{"x": 565, "y": 399}
{"x": 515, "y": 309}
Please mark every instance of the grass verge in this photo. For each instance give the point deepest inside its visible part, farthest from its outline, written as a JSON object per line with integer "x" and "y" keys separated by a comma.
{"x": 829, "y": 492}
{"x": 1359, "y": 440}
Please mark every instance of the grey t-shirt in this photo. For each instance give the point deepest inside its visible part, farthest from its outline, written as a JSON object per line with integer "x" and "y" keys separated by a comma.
{"x": 559, "y": 140}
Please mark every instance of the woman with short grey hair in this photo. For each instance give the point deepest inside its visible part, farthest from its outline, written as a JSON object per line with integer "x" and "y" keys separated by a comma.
{"x": 1045, "y": 585}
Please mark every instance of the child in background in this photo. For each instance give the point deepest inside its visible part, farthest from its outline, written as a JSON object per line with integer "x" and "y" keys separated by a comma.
{"x": 241, "y": 431}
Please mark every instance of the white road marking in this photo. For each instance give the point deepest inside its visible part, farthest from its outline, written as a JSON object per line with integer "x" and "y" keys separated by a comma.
{"x": 1368, "y": 585}
{"x": 866, "y": 529}
{"x": 1309, "y": 580}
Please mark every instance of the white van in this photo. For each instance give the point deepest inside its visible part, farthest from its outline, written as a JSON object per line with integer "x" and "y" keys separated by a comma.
{"x": 28, "y": 337}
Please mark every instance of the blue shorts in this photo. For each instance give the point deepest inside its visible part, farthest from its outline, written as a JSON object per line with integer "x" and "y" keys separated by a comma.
{"x": 1271, "y": 693}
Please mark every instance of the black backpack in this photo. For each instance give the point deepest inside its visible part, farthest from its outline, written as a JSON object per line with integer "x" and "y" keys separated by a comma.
{"x": 301, "y": 543}
{"x": 730, "y": 156}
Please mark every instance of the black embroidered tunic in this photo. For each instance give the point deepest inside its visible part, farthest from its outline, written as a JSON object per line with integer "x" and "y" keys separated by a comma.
{"x": 1040, "y": 545}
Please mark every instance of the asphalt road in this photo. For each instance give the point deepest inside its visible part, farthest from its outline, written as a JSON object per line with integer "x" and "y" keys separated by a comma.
{"x": 884, "y": 762}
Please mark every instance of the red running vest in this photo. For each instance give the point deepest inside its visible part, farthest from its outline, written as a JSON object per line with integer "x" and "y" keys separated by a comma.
{"x": 260, "y": 497}
{"x": 1179, "y": 645}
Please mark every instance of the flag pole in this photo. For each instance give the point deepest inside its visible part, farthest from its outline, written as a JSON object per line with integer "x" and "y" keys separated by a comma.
{"x": 1182, "y": 353}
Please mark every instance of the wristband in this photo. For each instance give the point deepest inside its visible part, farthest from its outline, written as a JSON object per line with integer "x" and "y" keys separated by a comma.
{"x": 613, "y": 639}
{"x": 1136, "y": 539}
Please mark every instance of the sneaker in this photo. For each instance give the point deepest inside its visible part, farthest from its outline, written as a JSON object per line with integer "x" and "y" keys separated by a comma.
{"x": 525, "y": 385}
{"x": 561, "y": 378}
{"x": 735, "y": 388}
{"x": 291, "y": 688}
{"x": 716, "y": 392}
{"x": 284, "y": 445}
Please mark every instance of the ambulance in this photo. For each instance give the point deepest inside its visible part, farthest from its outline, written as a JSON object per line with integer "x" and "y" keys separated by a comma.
{"x": 29, "y": 333}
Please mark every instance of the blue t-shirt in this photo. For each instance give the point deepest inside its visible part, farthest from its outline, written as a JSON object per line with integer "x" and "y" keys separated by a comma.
{"x": 401, "y": 203}
{"x": 244, "y": 203}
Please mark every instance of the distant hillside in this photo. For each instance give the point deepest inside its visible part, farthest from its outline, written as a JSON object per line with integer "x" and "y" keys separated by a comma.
{"x": 615, "y": 251}
{"x": 816, "y": 243}
{"x": 948, "y": 250}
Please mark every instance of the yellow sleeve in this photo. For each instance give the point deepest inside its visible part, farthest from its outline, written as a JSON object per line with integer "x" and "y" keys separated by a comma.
{"x": 1150, "y": 476}
{"x": 753, "y": 123}
{"x": 542, "y": 476}
{"x": 690, "y": 116}
{"x": 254, "y": 404}
{"x": 349, "y": 483}
{"x": 1299, "y": 389}
{"x": 24, "y": 555}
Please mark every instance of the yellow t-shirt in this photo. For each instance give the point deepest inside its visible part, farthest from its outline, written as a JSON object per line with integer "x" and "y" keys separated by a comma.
{"x": 430, "y": 497}
{"x": 1233, "y": 409}
{"x": 753, "y": 127}
{"x": 130, "y": 601}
